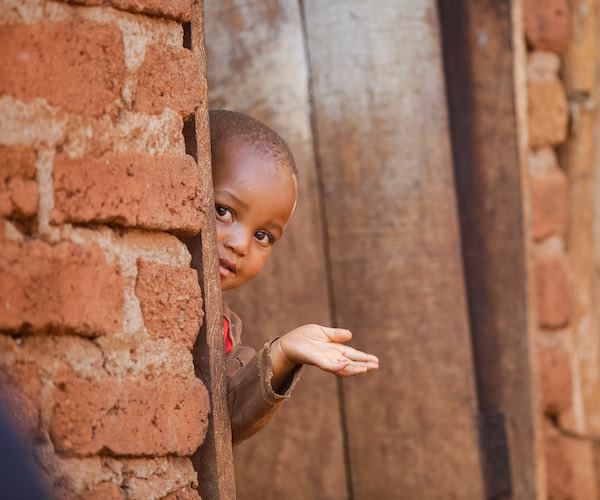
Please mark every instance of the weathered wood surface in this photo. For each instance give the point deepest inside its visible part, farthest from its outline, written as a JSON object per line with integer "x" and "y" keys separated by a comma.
{"x": 213, "y": 460}
{"x": 380, "y": 114}
{"x": 481, "y": 98}
{"x": 257, "y": 65}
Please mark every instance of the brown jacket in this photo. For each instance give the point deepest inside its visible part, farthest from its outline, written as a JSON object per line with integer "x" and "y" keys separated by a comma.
{"x": 252, "y": 401}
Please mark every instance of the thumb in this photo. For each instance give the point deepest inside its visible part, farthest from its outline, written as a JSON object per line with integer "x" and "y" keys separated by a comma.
{"x": 337, "y": 334}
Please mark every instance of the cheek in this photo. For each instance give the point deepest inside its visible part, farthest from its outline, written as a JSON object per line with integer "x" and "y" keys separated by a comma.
{"x": 221, "y": 231}
{"x": 258, "y": 260}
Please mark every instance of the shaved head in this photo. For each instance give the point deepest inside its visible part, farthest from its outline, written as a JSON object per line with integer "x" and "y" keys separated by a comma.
{"x": 229, "y": 129}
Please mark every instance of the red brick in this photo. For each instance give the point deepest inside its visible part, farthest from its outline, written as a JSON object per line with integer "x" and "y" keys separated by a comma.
{"x": 179, "y": 10}
{"x": 553, "y": 290}
{"x": 570, "y": 470}
{"x": 556, "y": 379}
{"x": 20, "y": 394}
{"x": 547, "y": 113}
{"x": 130, "y": 189}
{"x": 64, "y": 287}
{"x": 129, "y": 416}
{"x": 547, "y": 24}
{"x": 77, "y": 66}
{"x": 88, "y": 3}
{"x": 170, "y": 300}
{"x": 549, "y": 203}
{"x": 186, "y": 493}
{"x": 559, "y": 470}
{"x": 169, "y": 78}
{"x": 158, "y": 477}
{"x": 104, "y": 491}
{"x": 18, "y": 186}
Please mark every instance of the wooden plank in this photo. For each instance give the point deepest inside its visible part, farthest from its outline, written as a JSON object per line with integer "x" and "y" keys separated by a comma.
{"x": 213, "y": 460}
{"x": 380, "y": 114}
{"x": 479, "y": 56}
{"x": 257, "y": 65}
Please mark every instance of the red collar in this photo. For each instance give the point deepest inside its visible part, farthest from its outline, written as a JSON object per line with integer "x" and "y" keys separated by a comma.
{"x": 226, "y": 335}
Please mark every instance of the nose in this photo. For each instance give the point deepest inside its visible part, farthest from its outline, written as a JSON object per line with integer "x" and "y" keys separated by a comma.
{"x": 237, "y": 240}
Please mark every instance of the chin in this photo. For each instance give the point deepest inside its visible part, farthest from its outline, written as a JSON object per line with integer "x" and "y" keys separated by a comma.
{"x": 225, "y": 286}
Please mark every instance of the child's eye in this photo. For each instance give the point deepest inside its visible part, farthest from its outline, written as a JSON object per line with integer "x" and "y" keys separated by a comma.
{"x": 224, "y": 214}
{"x": 264, "y": 238}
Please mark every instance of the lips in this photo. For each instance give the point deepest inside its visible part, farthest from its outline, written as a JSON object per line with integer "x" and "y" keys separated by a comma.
{"x": 227, "y": 267}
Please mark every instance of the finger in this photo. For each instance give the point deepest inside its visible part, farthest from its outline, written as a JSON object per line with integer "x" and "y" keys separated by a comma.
{"x": 336, "y": 334}
{"x": 356, "y": 355}
{"x": 333, "y": 364}
{"x": 353, "y": 369}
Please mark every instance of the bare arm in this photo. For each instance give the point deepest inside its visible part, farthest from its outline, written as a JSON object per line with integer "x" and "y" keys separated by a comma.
{"x": 320, "y": 346}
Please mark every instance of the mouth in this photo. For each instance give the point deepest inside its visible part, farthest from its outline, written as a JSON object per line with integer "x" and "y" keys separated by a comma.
{"x": 227, "y": 268}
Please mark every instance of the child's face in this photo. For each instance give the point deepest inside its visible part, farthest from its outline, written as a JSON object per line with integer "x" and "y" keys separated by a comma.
{"x": 253, "y": 202}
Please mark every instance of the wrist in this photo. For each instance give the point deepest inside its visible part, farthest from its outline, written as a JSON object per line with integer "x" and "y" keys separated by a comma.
{"x": 281, "y": 367}
{"x": 279, "y": 356}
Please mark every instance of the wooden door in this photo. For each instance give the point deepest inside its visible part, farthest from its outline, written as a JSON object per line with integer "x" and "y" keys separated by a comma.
{"x": 357, "y": 89}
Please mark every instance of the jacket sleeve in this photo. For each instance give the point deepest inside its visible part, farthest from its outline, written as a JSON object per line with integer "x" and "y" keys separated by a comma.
{"x": 252, "y": 401}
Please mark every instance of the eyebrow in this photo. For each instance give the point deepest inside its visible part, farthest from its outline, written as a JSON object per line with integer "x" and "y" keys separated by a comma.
{"x": 241, "y": 203}
{"x": 274, "y": 225}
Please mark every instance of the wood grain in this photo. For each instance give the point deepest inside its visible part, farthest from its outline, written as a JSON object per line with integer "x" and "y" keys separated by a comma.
{"x": 380, "y": 114}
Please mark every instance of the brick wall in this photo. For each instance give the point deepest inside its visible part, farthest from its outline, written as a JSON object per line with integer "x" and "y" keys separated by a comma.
{"x": 561, "y": 48}
{"x": 99, "y": 307}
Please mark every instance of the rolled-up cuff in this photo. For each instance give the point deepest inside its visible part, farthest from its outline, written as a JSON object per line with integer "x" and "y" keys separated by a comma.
{"x": 266, "y": 375}
{"x": 252, "y": 400}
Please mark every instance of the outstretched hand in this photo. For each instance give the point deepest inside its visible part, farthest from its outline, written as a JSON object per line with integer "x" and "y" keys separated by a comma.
{"x": 320, "y": 346}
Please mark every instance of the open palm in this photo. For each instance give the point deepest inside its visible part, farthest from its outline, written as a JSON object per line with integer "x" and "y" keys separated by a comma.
{"x": 324, "y": 347}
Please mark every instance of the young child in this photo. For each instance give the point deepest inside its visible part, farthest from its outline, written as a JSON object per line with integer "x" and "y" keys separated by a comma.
{"x": 255, "y": 185}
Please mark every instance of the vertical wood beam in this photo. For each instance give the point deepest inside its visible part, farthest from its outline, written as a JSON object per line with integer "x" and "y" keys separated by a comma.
{"x": 213, "y": 461}
{"x": 479, "y": 67}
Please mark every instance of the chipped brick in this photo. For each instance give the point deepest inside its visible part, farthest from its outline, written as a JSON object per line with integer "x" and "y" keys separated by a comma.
{"x": 159, "y": 477}
{"x": 179, "y": 10}
{"x": 186, "y": 493}
{"x": 18, "y": 186}
{"x": 169, "y": 78}
{"x": 64, "y": 287}
{"x": 77, "y": 66}
{"x": 130, "y": 189}
{"x": 170, "y": 301}
{"x": 129, "y": 416}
